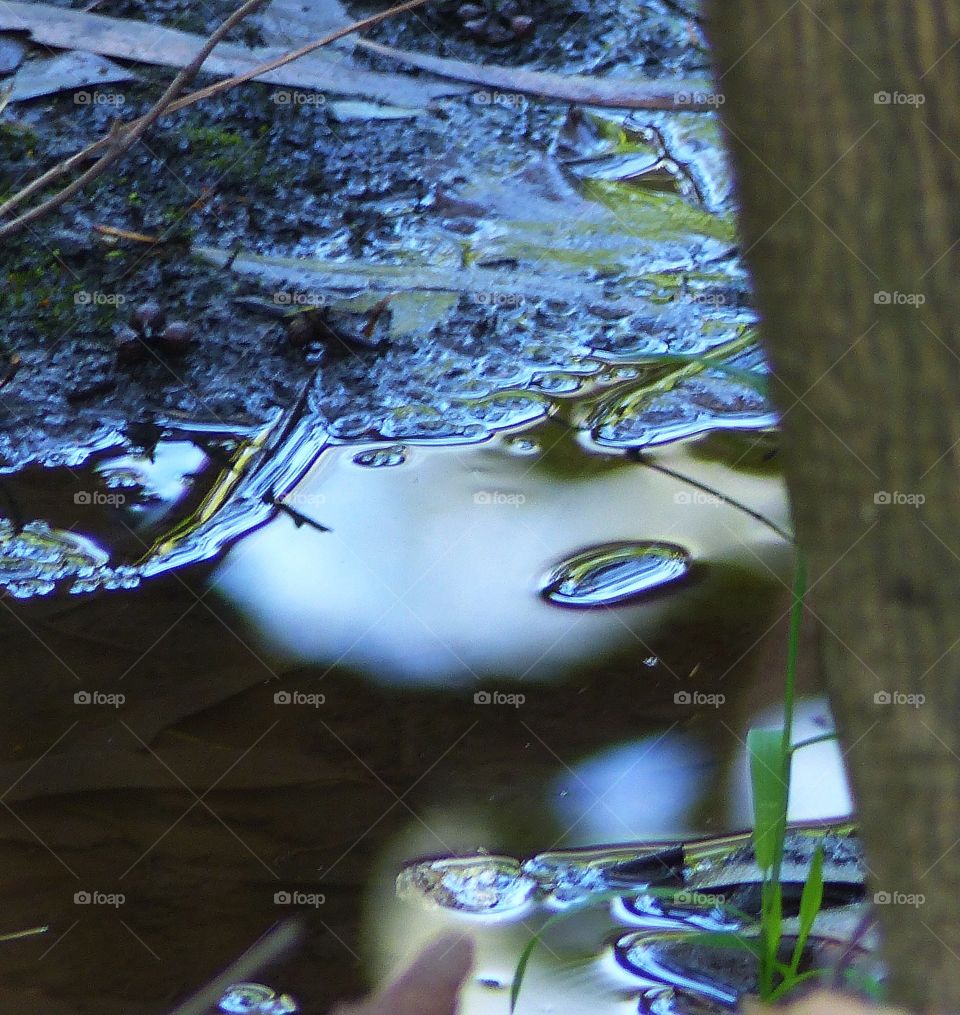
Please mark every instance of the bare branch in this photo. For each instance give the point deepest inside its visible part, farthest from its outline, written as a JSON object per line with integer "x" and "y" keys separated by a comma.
{"x": 122, "y": 137}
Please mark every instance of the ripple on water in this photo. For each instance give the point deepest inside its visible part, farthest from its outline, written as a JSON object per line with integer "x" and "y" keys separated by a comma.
{"x": 615, "y": 573}
{"x": 37, "y": 557}
{"x": 694, "y": 406}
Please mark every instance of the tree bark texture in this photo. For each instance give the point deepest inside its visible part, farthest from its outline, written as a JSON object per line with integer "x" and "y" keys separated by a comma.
{"x": 843, "y": 119}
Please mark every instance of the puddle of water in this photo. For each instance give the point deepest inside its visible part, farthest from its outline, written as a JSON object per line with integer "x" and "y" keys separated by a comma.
{"x": 357, "y": 609}
{"x": 430, "y": 570}
{"x": 465, "y": 536}
{"x": 631, "y": 947}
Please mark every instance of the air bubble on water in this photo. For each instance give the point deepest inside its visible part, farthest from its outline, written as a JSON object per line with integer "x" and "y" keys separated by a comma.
{"x": 256, "y": 999}
{"x": 615, "y": 573}
{"x": 522, "y": 446}
{"x": 382, "y": 458}
{"x": 478, "y": 884}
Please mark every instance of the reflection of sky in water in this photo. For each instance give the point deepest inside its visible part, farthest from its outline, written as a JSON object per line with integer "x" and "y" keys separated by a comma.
{"x": 818, "y": 780}
{"x": 431, "y": 571}
{"x": 163, "y": 477}
{"x": 632, "y": 791}
{"x": 647, "y": 789}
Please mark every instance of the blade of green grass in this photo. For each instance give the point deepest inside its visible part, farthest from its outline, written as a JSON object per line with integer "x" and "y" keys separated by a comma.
{"x": 768, "y": 780}
{"x": 788, "y": 985}
{"x": 810, "y": 902}
{"x": 720, "y": 939}
{"x": 521, "y": 970}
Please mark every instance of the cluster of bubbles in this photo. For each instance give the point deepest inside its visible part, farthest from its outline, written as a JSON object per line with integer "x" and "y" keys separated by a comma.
{"x": 256, "y": 999}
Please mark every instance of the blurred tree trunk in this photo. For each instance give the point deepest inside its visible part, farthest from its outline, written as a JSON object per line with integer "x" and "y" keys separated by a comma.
{"x": 851, "y": 226}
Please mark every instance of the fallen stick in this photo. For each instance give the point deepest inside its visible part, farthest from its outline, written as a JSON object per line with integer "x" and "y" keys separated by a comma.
{"x": 147, "y": 43}
{"x": 168, "y": 104}
{"x": 693, "y": 95}
{"x": 269, "y": 948}
{"x": 122, "y": 137}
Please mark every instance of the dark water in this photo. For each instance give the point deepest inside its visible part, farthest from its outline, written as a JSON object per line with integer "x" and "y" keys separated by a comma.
{"x": 372, "y": 672}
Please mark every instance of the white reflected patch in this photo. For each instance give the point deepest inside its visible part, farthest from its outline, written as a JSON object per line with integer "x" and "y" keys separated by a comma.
{"x": 431, "y": 571}
{"x": 818, "y": 780}
{"x": 634, "y": 791}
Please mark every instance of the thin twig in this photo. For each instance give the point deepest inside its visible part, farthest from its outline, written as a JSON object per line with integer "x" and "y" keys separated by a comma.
{"x": 123, "y": 136}
{"x": 269, "y": 948}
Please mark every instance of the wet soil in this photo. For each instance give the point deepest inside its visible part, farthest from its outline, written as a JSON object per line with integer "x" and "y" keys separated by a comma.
{"x": 274, "y": 178}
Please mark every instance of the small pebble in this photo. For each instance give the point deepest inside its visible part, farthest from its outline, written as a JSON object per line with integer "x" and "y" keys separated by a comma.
{"x": 177, "y": 337}
{"x": 148, "y": 318}
{"x": 301, "y": 330}
{"x": 128, "y": 344}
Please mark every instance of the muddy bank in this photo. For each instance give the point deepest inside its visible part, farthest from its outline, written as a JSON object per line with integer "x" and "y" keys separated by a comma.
{"x": 273, "y": 177}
